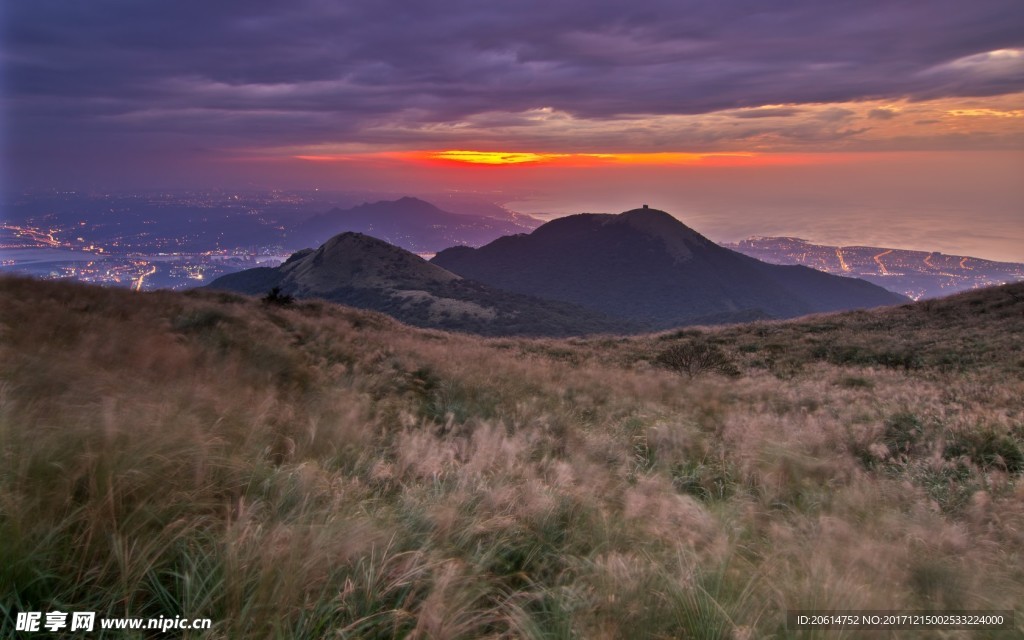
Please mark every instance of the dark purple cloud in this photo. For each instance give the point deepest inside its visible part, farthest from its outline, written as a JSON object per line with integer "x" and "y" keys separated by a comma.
{"x": 768, "y": 112}
{"x": 123, "y": 73}
{"x": 882, "y": 113}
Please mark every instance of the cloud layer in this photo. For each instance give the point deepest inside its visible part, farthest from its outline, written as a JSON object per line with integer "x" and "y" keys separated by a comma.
{"x": 187, "y": 76}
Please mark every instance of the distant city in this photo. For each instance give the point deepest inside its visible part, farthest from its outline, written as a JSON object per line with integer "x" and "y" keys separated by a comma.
{"x": 916, "y": 274}
{"x": 183, "y": 240}
{"x": 151, "y": 240}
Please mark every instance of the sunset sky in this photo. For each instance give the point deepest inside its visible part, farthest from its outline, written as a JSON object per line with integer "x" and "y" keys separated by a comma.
{"x": 875, "y": 121}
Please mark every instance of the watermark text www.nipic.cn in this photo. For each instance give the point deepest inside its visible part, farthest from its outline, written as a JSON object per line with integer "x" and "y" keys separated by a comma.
{"x": 85, "y": 621}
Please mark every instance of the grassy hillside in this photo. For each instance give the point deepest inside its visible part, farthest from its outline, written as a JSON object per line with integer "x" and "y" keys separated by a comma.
{"x": 314, "y": 471}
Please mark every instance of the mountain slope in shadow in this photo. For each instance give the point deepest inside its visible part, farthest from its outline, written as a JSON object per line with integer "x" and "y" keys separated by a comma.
{"x": 646, "y": 266}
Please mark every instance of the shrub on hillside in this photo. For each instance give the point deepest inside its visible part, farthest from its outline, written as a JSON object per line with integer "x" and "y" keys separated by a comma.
{"x": 274, "y": 296}
{"x": 696, "y": 357}
{"x": 988, "y": 449}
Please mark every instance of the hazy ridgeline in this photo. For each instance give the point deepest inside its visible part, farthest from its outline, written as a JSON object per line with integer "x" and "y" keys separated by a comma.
{"x": 312, "y": 471}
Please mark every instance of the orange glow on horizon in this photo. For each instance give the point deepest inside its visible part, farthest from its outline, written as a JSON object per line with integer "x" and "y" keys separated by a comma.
{"x": 574, "y": 159}
{"x": 468, "y": 158}
{"x": 494, "y": 157}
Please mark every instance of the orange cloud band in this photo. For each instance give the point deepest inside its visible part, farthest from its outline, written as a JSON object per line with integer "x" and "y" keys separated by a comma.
{"x": 466, "y": 157}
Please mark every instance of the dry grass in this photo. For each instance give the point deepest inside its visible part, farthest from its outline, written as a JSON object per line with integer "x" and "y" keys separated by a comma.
{"x": 314, "y": 471}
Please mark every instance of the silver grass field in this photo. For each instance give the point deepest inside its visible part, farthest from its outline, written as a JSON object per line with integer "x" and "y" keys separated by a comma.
{"x": 313, "y": 471}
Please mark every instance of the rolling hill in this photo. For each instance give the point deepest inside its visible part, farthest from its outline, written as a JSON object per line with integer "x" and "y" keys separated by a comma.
{"x": 644, "y": 265}
{"x": 361, "y": 271}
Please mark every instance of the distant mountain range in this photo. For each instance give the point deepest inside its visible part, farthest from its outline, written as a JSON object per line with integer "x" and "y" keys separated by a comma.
{"x": 589, "y": 273}
{"x": 412, "y": 224}
{"x": 648, "y": 267}
{"x": 360, "y": 271}
{"x": 917, "y": 274}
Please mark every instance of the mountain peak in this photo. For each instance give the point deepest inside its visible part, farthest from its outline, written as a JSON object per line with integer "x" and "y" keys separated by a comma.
{"x": 405, "y": 203}
{"x": 414, "y": 224}
{"x": 679, "y": 239}
{"x": 646, "y": 217}
{"x": 356, "y": 259}
{"x": 644, "y": 210}
{"x": 646, "y": 265}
